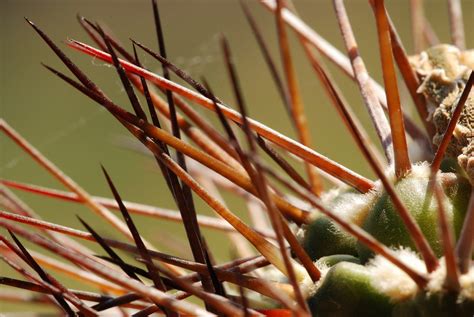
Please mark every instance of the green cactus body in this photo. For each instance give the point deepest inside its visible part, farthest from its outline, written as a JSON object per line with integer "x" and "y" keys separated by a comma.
{"x": 331, "y": 239}
{"x": 347, "y": 291}
{"x": 351, "y": 285}
{"x": 332, "y": 260}
{"x": 378, "y": 216}
{"x": 436, "y": 305}
{"x": 323, "y": 237}
{"x": 384, "y": 223}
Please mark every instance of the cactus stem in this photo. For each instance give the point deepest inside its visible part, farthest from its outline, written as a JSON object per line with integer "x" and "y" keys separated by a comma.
{"x": 22, "y": 253}
{"x": 296, "y": 103}
{"x": 335, "y": 56}
{"x": 35, "y": 287}
{"x": 267, "y": 56}
{"x": 362, "y": 77}
{"x": 256, "y": 174}
{"x": 344, "y": 174}
{"x": 411, "y": 81}
{"x": 418, "y": 22}
{"x": 365, "y": 147}
{"x": 456, "y": 24}
{"x": 395, "y": 113}
{"x": 137, "y": 208}
{"x": 464, "y": 245}
{"x": 452, "y": 273}
{"x": 334, "y": 93}
{"x": 65, "y": 180}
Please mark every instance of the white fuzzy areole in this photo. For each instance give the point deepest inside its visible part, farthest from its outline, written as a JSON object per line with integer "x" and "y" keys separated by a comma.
{"x": 356, "y": 208}
{"x": 353, "y": 207}
{"x": 308, "y": 287}
{"x": 271, "y": 273}
{"x": 418, "y": 170}
{"x": 467, "y": 285}
{"x": 398, "y": 286}
{"x": 390, "y": 280}
{"x": 466, "y": 281}
{"x": 437, "y": 278}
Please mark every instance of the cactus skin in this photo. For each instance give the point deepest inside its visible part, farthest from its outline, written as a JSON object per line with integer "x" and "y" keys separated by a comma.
{"x": 347, "y": 288}
{"x": 459, "y": 193}
{"x": 347, "y": 291}
{"x": 324, "y": 238}
{"x": 332, "y": 260}
{"x": 435, "y": 305}
{"x": 385, "y": 225}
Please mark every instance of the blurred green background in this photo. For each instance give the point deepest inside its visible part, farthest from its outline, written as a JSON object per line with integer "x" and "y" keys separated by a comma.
{"x": 78, "y": 135}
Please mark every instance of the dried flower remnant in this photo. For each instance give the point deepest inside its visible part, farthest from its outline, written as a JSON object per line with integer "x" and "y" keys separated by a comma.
{"x": 444, "y": 71}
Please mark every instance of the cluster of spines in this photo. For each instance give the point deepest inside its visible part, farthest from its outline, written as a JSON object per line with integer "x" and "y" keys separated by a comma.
{"x": 244, "y": 168}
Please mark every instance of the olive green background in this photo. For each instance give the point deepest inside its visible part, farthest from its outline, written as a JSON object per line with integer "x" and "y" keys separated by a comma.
{"x": 78, "y": 136}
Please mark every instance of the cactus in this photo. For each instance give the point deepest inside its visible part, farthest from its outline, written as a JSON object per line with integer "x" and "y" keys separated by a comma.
{"x": 400, "y": 245}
